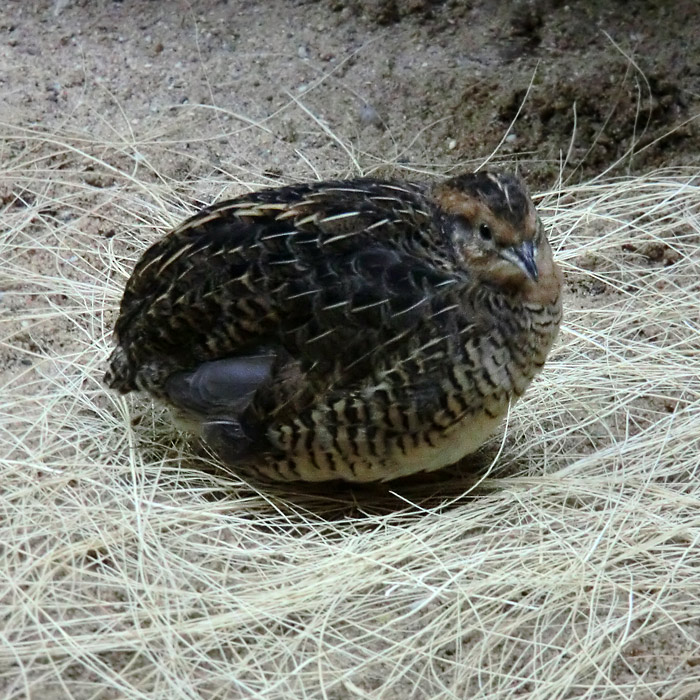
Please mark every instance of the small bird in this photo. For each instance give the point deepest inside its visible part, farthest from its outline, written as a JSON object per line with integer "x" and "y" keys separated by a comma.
{"x": 360, "y": 330}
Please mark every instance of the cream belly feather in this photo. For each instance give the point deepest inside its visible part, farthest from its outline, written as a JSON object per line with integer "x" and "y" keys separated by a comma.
{"x": 444, "y": 449}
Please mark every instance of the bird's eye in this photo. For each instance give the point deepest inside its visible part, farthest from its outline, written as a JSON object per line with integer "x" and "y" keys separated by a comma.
{"x": 485, "y": 232}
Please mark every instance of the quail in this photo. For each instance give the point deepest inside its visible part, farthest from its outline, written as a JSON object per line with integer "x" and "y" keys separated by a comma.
{"x": 360, "y": 330}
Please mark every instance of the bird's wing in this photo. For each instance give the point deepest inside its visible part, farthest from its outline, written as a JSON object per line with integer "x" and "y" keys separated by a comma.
{"x": 323, "y": 272}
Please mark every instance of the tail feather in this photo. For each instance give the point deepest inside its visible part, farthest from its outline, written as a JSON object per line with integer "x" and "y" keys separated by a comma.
{"x": 119, "y": 374}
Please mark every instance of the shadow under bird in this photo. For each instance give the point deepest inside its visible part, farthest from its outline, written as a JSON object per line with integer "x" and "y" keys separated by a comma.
{"x": 360, "y": 330}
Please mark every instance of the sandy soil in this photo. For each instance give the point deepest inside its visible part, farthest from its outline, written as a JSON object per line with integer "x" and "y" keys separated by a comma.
{"x": 204, "y": 99}
{"x": 436, "y": 83}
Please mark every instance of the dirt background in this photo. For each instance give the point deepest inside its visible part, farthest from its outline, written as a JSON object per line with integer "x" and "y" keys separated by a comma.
{"x": 566, "y": 91}
{"x": 440, "y": 82}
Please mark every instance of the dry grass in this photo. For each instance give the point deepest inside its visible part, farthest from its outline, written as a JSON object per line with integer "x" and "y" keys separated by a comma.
{"x": 569, "y": 569}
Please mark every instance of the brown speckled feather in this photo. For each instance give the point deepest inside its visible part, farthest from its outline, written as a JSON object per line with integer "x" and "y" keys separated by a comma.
{"x": 336, "y": 330}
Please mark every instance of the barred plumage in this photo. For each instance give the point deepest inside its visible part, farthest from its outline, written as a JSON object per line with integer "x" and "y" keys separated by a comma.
{"x": 359, "y": 330}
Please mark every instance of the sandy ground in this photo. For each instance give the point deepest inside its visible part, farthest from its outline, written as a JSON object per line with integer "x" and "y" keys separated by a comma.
{"x": 200, "y": 101}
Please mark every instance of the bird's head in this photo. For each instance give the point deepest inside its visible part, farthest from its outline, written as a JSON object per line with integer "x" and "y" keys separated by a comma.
{"x": 494, "y": 228}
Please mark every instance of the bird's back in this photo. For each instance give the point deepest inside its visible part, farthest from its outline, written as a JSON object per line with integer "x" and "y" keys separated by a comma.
{"x": 315, "y": 267}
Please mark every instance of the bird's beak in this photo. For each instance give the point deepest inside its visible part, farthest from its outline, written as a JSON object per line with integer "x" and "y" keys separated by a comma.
{"x": 523, "y": 256}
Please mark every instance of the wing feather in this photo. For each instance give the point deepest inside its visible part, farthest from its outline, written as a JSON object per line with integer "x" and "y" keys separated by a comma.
{"x": 321, "y": 271}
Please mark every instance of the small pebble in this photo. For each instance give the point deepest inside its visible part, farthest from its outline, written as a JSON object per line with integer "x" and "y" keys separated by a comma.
{"x": 452, "y": 144}
{"x": 511, "y": 138}
{"x": 369, "y": 115}
{"x": 303, "y": 52}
